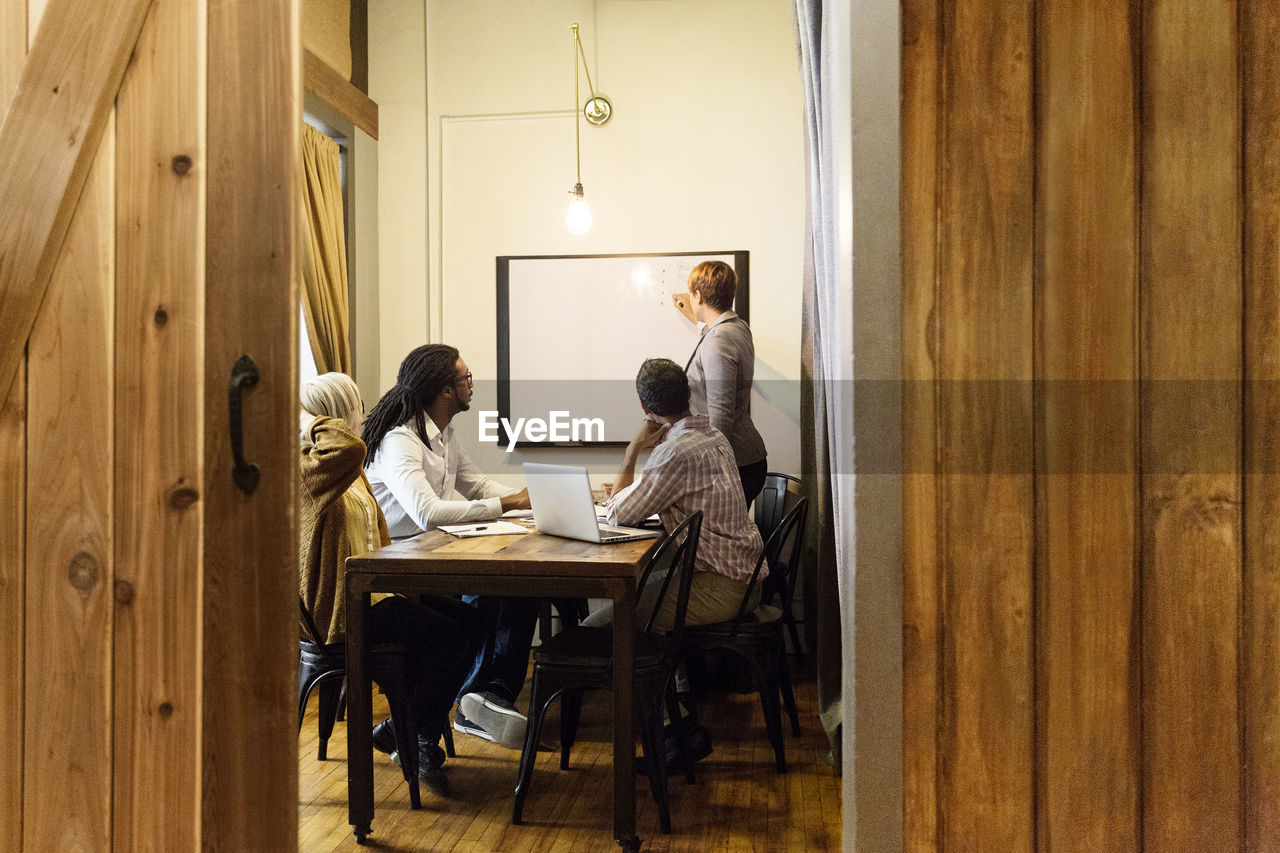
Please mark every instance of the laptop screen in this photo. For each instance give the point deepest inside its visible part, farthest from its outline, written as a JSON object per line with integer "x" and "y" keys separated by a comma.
{"x": 560, "y": 496}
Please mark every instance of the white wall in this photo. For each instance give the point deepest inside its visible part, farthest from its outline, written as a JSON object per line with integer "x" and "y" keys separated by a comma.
{"x": 704, "y": 152}
{"x": 397, "y": 83}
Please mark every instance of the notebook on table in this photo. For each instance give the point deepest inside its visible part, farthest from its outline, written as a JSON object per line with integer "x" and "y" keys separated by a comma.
{"x": 562, "y": 506}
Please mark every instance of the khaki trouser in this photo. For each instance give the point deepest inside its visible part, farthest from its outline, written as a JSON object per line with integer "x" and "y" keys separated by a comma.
{"x": 712, "y": 598}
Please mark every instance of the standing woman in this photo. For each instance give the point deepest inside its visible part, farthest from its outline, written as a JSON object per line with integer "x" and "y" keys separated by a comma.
{"x": 722, "y": 367}
{"x": 339, "y": 518}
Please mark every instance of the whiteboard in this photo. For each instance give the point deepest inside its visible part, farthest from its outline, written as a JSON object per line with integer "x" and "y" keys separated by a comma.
{"x": 574, "y": 329}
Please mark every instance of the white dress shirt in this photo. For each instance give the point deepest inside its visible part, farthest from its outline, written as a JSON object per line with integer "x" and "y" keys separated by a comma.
{"x": 422, "y": 486}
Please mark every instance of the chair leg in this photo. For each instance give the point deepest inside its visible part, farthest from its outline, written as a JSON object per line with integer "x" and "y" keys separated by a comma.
{"x": 790, "y": 620}
{"x": 342, "y": 702}
{"x": 655, "y": 755}
{"x": 768, "y": 688}
{"x": 677, "y": 726}
{"x": 544, "y": 620}
{"x": 306, "y": 682}
{"x": 329, "y": 689}
{"x": 788, "y": 698}
{"x": 448, "y": 738}
{"x": 570, "y": 715}
{"x": 524, "y": 776}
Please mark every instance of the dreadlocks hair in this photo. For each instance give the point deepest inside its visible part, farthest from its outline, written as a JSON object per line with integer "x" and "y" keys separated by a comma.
{"x": 424, "y": 373}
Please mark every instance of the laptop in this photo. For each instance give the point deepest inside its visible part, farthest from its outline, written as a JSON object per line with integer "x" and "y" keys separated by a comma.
{"x": 562, "y": 506}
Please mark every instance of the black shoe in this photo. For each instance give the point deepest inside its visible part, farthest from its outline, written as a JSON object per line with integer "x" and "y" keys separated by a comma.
{"x": 384, "y": 737}
{"x": 430, "y": 767}
{"x": 698, "y": 742}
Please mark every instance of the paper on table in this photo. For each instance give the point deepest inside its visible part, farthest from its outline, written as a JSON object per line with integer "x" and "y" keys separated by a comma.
{"x": 517, "y": 513}
{"x": 489, "y": 528}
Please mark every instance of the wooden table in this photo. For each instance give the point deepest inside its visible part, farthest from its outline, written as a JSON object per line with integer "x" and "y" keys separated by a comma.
{"x": 528, "y": 564}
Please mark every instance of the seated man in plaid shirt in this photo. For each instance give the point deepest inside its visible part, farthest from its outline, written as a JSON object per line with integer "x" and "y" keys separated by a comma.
{"x": 691, "y": 468}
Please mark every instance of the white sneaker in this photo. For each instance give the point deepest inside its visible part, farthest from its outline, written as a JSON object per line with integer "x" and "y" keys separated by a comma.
{"x": 498, "y": 718}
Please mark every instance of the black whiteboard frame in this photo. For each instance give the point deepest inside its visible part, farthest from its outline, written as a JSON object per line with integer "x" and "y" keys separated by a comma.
{"x": 741, "y": 305}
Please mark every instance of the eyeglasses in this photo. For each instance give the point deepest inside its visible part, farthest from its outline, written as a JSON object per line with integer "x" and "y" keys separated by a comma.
{"x": 465, "y": 378}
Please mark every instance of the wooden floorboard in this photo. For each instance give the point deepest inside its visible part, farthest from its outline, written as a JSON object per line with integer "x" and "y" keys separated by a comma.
{"x": 739, "y": 802}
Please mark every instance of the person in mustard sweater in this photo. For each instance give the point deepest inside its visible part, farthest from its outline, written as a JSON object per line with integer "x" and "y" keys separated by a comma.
{"x": 339, "y": 518}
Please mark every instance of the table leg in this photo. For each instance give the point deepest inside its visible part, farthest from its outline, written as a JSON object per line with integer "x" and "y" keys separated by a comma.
{"x": 624, "y": 712}
{"x": 359, "y": 713}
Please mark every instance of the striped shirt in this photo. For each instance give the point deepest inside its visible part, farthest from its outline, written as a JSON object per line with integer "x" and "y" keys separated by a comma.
{"x": 693, "y": 469}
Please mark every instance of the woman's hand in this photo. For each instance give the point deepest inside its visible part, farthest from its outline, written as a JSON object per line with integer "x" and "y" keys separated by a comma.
{"x": 683, "y": 303}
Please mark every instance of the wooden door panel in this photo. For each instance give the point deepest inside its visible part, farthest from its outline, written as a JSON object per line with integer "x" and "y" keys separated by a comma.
{"x": 920, "y": 556}
{"x": 250, "y": 553}
{"x": 161, "y": 168}
{"x": 1190, "y": 345}
{"x": 13, "y": 488}
{"x": 1132, "y": 702}
{"x": 47, "y": 142}
{"x": 1261, "y": 675}
{"x": 70, "y": 569}
{"x": 1086, "y": 531}
{"x": 985, "y": 364}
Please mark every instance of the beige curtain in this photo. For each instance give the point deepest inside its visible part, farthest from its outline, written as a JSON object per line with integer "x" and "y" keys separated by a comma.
{"x": 324, "y": 254}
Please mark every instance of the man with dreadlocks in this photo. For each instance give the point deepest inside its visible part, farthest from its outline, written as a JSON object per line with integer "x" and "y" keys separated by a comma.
{"x": 422, "y": 478}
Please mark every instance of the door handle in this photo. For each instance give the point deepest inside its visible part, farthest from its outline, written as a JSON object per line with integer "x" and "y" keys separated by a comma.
{"x": 244, "y": 374}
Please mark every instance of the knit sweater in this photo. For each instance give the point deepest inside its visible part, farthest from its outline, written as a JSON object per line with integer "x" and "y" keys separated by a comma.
{"x": 332, "y": 461}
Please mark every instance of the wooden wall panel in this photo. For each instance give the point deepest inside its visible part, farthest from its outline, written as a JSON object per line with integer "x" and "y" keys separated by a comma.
{"x": 159, "y": 448}
{"x": 985, "y": 364}
{"x": 70, "y": 580}
{"x": 920, "y": 35}
{"x": 250, "y": 549}
{"x": 1191, "y": 359}
{"x": 1087, "y": 294}
{"x": 1261, "y": 676}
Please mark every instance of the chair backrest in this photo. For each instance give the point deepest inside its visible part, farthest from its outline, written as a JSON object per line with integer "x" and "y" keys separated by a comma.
{"x": 788, "y": 549}
{"x": 678, "y": 550}
{"x": 789, "y": 529}
{"x": 771, "y": 503}
{"x": 309, "y": 623}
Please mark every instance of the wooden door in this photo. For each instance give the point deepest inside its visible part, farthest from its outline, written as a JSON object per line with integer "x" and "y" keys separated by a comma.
{"x": 147, "y": 189}
{"x": 1091, "y": 335}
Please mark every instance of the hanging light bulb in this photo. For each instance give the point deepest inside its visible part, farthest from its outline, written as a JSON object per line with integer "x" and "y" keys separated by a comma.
{"x": 578, "y": 217}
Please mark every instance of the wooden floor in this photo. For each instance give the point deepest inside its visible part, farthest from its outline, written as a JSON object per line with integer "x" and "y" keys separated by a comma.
{"x": 738, "y": 803}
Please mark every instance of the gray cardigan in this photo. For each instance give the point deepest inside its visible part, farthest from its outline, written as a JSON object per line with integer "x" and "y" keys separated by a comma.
{"x": 720, "y": 371}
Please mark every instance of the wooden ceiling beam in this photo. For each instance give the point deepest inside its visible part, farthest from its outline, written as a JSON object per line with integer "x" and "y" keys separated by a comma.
{"x": 336, "y": 91}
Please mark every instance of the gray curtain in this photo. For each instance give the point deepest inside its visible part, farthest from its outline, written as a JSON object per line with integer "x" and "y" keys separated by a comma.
{"x": 826, "y": 368}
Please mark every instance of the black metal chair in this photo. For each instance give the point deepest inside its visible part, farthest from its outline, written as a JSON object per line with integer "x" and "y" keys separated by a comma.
{"x": 780, "y": 584}
{"x": 755, "y": 636}
{"x": 580, "y": 658}
{"x": 323, "y": 666}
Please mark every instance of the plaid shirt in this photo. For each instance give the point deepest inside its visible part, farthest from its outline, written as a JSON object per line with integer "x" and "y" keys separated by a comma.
{"x": 693, "y": 469}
